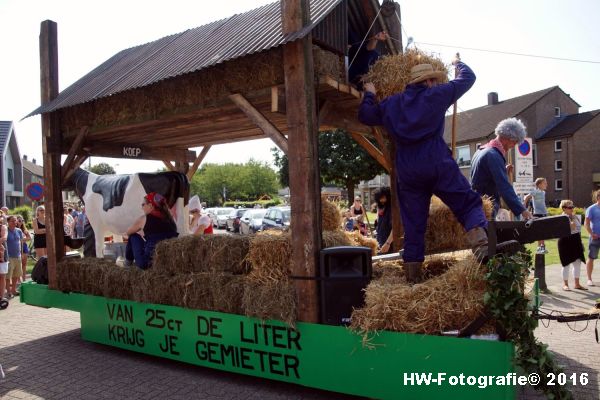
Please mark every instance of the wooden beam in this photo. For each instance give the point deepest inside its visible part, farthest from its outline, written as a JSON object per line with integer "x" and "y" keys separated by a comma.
{"x": 303, "y": 158}
{"x": 384, "y": 146}
{"x": 263, "y": 123}
{"x": 169, "y": 166}
{"x": 122, "y": 150}
{"x": 79, "y": 159}
{"x": 75, "y": 146}
{"x": 197, "y": 161}
{"x": 333, "y": 119}
{"x": 371, "y": 149}
{"x": 51, "y": 140}
{"x": 278, "y": 99}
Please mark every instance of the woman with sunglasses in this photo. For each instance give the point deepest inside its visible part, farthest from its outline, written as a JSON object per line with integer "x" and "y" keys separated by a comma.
{"x": 39, "y": 231}
{"x": 570, "y": 248}
{"x": 156, "y": 224}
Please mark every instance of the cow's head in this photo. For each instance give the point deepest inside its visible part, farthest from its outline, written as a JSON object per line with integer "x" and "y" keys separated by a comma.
{"x": 77, "y": 182}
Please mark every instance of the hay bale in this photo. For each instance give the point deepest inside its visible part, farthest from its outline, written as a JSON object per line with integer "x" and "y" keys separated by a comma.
{"x": 205, "y": 253}
{"x": 83, "y": 275}
{"x": 390, "y": 74}
{"x": 331, "y": 215}
{"x": 357, "y": 239}
{"x": 270, "y": 300}
{"x": 444, "y": 232}
{"x": 119, "y": 282}
{"x": 269, "y": 256}
{"x": 336, "y": 238}
{"x": 446, "y": 302}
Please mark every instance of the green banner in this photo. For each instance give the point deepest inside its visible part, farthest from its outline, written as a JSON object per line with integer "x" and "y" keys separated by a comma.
{"x": 394, "y": 365}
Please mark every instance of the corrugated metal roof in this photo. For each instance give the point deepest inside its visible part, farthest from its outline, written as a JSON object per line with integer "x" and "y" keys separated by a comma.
{"x": 192, "y": 50}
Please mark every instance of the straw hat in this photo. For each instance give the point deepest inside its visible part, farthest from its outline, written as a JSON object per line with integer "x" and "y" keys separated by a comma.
{"x": 422, "y": 72}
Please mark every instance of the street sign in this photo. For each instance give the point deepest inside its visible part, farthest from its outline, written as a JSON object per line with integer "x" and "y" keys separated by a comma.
{"x": 35, "y": 191}
{"x": 524, "y": 162}
{"x": 523, "y": 187}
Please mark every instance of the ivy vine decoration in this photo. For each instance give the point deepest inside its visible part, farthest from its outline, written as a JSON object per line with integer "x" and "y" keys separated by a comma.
{"x": 507, "y": 304}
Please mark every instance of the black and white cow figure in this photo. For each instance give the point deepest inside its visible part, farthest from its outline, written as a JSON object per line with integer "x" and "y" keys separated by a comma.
{"x": 113, "y": 202}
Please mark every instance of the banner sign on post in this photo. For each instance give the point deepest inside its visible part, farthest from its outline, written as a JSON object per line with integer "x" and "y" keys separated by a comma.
{"x": 524, "y": 167}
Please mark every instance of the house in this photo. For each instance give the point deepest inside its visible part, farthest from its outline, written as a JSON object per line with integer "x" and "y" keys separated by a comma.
{"x": 11, "y": 181}
{"x": 550, "y": 116}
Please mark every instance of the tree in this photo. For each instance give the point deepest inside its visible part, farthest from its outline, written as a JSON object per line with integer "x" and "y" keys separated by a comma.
{"x": 102, "y": 169}
{"x": 216, "y": 183}
{"x": 342, "y": 162}
{"x": 281, "y": 162}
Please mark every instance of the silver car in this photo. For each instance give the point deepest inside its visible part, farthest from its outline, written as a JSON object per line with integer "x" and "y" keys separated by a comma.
{"x": 219, "y": 216}
{"x": 251, "y": 221}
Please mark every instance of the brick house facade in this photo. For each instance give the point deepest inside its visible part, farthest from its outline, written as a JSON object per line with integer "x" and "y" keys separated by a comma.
{"x": 551, "y": 116}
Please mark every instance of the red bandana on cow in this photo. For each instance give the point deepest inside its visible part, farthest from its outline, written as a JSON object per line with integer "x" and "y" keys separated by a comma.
{"x": 158, "y": 201}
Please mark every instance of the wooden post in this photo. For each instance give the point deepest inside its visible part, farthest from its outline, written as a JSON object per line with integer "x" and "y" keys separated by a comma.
{"x": 303, "y": 157}
{"x": 197, "y": 161}
{"x": 51, "y": 141}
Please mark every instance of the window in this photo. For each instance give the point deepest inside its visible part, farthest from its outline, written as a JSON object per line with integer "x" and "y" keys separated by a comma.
{"x": 558, "y": 185}
{"x": 557, "y": 112}
{"x": 477, "y": 146}
{"x": 463, "y": 156}
{"x": 534, "y": 154}
{"x": 557, "y": 165}
{"x": 11, "y": 178}
{"x": 557, "y": 146}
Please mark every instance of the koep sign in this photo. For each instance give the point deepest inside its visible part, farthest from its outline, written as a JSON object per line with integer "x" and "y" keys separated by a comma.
{"x": 132, "y": 152}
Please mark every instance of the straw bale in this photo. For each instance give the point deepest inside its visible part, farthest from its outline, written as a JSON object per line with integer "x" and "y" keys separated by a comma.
{"x": 331, "y": 215}
{"x": 189, "y": 254}
{"x": 447, "y": 302}
{"x": 390, "y": 74}
{"x": 336, "y": 238}
{"x": 179, "y": 95}
{"x": 357, "y": 239}
{"x": 327, "y": 63}
{"x": 444, "y": 232}
{"x": 270, "y": 255}
{"x": 119, "y": 282}
{"x": 84, "y": 275}
{"x": 270, "y": 300}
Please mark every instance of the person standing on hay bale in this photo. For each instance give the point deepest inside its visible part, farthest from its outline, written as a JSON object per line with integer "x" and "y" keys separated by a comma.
{"x": 489, "y": 172}
{"x": 200, "y": 223}
{"x": 156, "y": 224}
{"x": 424, "y": 164}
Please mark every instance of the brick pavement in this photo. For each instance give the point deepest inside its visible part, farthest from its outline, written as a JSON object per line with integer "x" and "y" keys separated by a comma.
{"x": 44, "y": 357}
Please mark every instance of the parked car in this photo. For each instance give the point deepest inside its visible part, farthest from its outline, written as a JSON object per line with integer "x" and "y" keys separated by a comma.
{"x": 219, "y": 216}
{"x": 251, "y": 221}
{"x": 277, "y": 218}
{"x": 233, "y": 219}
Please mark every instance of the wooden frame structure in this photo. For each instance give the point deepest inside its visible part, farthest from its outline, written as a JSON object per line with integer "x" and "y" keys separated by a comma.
{"x": 296, "y": 90}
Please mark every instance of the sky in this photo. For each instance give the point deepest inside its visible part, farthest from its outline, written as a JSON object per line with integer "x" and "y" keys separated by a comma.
{"x": 91, "y": 32}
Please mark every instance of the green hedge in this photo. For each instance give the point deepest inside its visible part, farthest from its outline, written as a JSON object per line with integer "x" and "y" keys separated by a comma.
{"x": 24, "y": 211}
{"x": 558, "y": 211}
{"x": 251, "y": 204}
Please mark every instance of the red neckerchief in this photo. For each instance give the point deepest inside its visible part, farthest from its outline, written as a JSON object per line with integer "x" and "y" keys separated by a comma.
{"x": 497, "y": 145}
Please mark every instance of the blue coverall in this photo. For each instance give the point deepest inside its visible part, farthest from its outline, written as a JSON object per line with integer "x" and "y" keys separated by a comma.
{"x": 489, "y": 177}
{"x": 424, "y": 164}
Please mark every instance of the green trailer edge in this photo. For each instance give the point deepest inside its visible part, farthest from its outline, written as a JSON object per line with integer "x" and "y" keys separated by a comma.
{"x": 393, "y": 365}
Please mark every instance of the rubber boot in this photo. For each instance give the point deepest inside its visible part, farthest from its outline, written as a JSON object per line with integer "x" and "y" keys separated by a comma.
{"x": 414, "y": 272}
{"x": 478, "y": 241}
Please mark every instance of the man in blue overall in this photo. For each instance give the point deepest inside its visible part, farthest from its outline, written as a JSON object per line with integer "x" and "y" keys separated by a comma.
{"x": 424, "y": 164}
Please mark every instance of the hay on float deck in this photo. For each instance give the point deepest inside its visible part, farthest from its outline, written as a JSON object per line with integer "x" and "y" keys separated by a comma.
{"x": 390, "y": 74}
{"x": 331, "y": 215}
{"x": 444, "y": 232}
{"x": 447, "y": 302}
{"x": 204, "y": 253}
{"x": 83, "y": 275}
{"x": 270, "y": 300}
{"x": 357, "y": 239}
